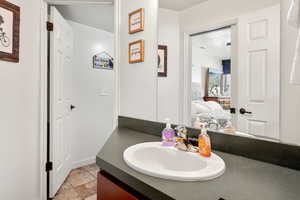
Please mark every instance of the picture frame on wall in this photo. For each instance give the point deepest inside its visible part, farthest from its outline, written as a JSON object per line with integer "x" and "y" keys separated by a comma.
{"x": 9, "y": 31}
{"x": 162, "y": 65}
{"x": 136, "y": 21}
{"x": 136, "y": 52}
{"x": 103, "y": 61}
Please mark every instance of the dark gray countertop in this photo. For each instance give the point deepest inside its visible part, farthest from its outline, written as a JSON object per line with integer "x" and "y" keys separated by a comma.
{"x": 244, "y": 179}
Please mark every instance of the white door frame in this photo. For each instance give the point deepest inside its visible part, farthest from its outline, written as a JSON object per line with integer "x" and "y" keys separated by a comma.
{"x": 44, "y": 75}
{"x": 186, "y": 93}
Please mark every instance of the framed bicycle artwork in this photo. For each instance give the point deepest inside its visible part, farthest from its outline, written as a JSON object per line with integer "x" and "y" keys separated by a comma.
{"x": 9, "y": 31}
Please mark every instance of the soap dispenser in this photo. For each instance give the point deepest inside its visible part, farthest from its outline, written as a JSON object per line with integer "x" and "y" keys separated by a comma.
{"x": 168, "y": 135}
{"x": 204, "y": 143}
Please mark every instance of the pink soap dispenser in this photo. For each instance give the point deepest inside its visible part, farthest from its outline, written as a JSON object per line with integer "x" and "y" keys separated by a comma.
{"x": 168, "y": 135}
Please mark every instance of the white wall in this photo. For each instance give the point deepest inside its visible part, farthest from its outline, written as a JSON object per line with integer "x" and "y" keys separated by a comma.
{"x": 19, "y": 112}
{"x": 202, "y": 59}
{"x": 290, "y": 95}
{"x": 168, "y": 87}
{"x": 93, "y": 93}
{"x": 201, "y": 62}
{"x": 216, "y": 11}
{"x": 138, "y": 82}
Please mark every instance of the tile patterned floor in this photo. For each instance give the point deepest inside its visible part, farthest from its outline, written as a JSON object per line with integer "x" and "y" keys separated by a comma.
{"x": 81, "y": 184}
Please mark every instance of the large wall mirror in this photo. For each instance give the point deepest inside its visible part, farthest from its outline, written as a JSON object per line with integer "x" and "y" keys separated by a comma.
{"x": 222, "y": 65}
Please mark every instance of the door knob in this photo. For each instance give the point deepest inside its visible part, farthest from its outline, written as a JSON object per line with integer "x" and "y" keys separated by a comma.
{"x": 244, "y": 111}
{"x": 72, "y": 107}
{"x": 232, "y": 110}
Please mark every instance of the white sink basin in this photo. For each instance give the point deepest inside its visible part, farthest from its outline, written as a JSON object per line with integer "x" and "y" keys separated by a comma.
{"x": 153, "y": 159}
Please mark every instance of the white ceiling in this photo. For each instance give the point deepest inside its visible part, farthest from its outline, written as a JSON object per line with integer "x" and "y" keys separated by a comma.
{"x": 214, "y": 43}
{"x": 102, "y": 16}
{"x": 97, "y": 16}
{"x": 179, "y": 5}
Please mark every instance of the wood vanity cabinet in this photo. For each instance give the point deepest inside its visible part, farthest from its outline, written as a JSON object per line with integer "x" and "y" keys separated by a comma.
{"x": 109, "y": 188}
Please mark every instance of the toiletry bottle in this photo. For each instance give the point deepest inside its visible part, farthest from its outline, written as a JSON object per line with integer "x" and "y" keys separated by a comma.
{"x": 168, "y": 135}
{"x": 204, "y": 143}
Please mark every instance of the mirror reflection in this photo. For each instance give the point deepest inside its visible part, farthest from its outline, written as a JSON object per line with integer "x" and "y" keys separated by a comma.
{"x": 211, "y": 79}
{"x": 230, "y": 59}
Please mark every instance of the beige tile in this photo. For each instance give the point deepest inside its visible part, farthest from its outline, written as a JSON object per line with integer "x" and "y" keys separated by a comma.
{"x": 75, "y": 171}
{"x": 94, "y": 197}
{"x": 79, "y": 177}
{"x": 81, "y": 184}
{"x": 65, "y": 186}
{"x": 94, "y": 173}
{"x": 87, "y": 190}
{"x": 68, "y": 194}
{"x": 93, "y": 169}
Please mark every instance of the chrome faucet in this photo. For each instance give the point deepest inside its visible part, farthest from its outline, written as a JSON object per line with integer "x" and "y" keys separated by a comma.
{"x": 213, "y": 125}
{"x": 182, "y": 141}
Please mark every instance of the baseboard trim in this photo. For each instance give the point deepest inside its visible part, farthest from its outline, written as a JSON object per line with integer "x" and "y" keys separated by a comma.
{"x": 83, "y": 162}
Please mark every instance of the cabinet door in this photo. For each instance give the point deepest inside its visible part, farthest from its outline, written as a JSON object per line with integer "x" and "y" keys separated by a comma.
{"x": 108, "y": 190}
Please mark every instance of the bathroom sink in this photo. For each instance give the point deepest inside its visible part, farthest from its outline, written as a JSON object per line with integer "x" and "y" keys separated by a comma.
{"x": 153, "y": 159}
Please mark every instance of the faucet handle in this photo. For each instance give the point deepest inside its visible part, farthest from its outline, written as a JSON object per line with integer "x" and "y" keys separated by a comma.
{"x": 181, "y": 132}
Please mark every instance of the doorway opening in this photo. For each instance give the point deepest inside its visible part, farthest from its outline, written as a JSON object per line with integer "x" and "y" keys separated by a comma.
{"x": 211, "y": 77}
{"x": 79, "y": 102}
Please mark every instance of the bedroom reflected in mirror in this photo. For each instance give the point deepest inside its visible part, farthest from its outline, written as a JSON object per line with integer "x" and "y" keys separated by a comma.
{"x": 235, "y": 73}
{"x": 211, "y": 79}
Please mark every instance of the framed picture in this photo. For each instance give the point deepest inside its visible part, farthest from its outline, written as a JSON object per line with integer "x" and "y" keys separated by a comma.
{"x": 136, "y": 52}
{"x": 9, "y": 31}
{"x": 103, "y": 61}
{"x": 162, "y": 60}
{"x": 136, "y": 21}
{"x": 214, "y": 83}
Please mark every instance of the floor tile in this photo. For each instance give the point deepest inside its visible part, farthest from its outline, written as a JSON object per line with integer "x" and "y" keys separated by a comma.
{"x": 68, "y": 194}
{"x": 93, "y": 169}
{"x": 87, "y": 190}
{"x": 81, "y": 184}
{"x": 65, "y": 186}
{"x": 94, "y": 172}
{"x": 79, "y": 177}
{"x": 94, "y": 197}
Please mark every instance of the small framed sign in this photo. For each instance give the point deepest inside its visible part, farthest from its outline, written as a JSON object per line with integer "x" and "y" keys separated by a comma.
{"x": 103, "y": 61}
{"x": 136, "y": 21}
{"x": 136, "y": 51}
{"x": 162, "y": 60}
{"x": 9, "y": 31}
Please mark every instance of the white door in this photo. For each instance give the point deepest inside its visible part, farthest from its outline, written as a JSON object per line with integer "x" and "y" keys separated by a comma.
{"x": 61, "y": 46}
{"x": 259, "y": 73}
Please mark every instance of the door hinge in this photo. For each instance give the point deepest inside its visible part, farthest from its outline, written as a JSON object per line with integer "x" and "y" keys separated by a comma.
{"x": 49, "y": 166}
{"x": 49, "y": 26}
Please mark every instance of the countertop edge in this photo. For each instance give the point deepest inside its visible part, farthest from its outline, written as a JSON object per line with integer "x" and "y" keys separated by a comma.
{"x": 132, "y": 182}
